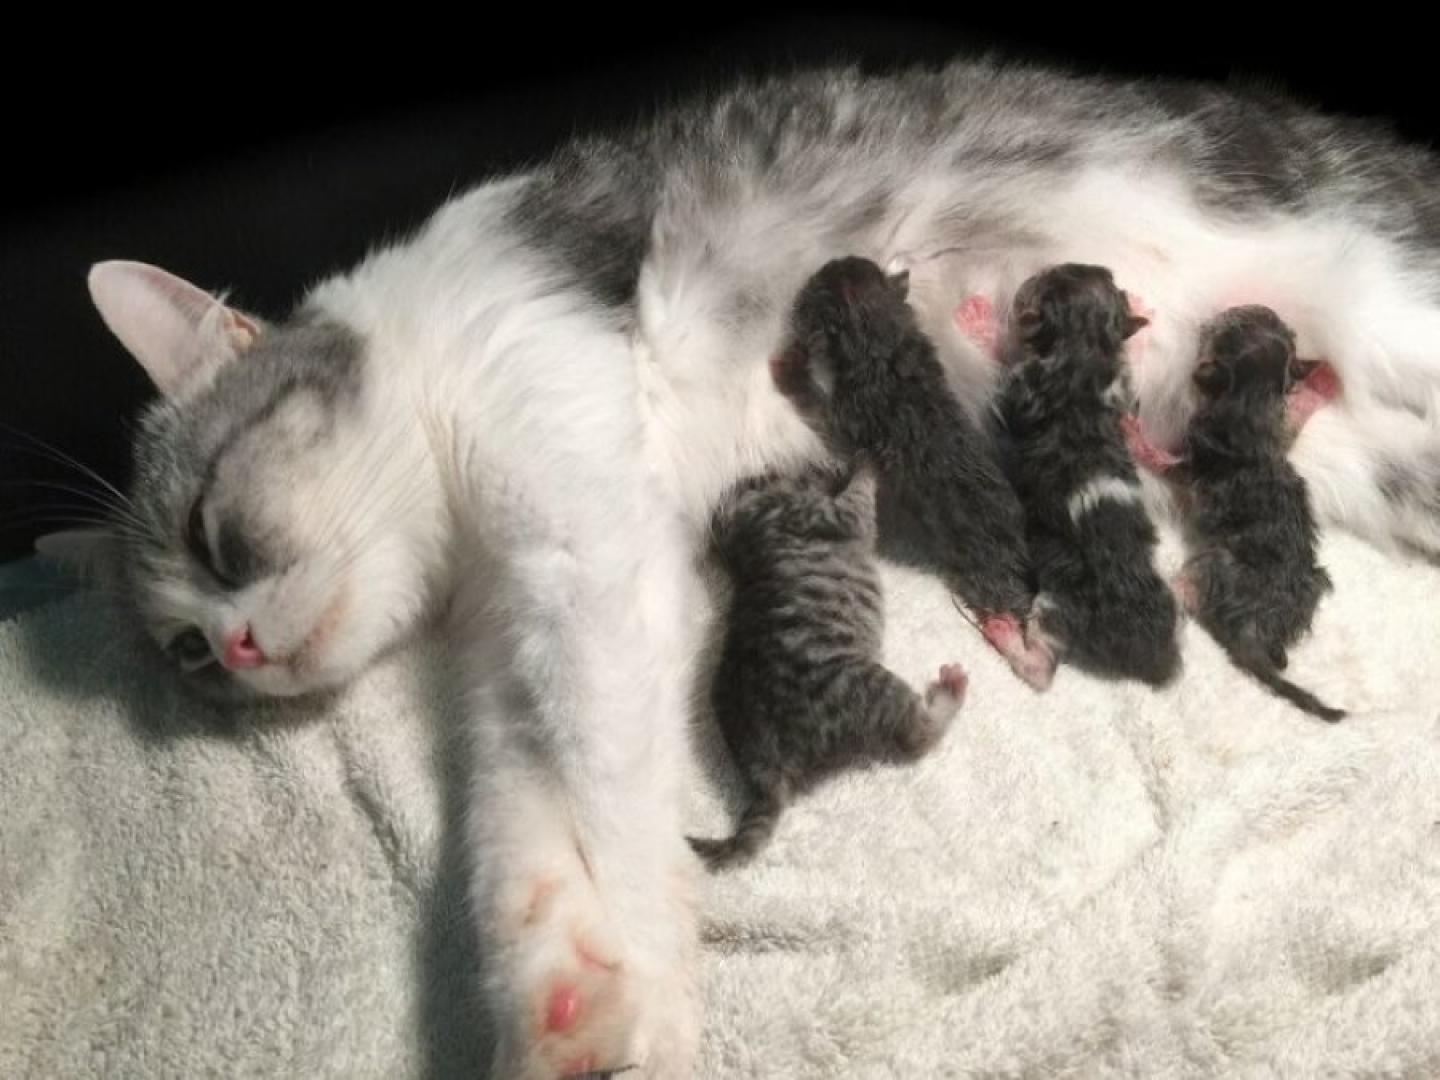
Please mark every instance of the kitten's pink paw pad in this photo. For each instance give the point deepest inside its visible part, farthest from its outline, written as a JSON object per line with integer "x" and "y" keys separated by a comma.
{"x": 976, "y": 320}
{"x": 1032, "y": 662}
{"x": 953, "y": 681}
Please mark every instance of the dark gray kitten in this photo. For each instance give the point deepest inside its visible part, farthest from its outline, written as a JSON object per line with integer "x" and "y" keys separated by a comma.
{"x": 1101, "y": 601}
{"x": 863, "y": 374}
{"x": 800, "y": 693}
{"x": 1253, "y": 581}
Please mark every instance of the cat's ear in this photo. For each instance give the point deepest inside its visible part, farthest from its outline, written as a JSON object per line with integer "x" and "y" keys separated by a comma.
{"x": 1133, "y": 325}
{"x": 900, "y": 283}
{"x": 176, "y": 331}
{"x": 86, "y": 554}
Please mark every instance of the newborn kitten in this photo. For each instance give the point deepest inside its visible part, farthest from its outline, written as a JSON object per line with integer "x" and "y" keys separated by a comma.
{"x": 863, "y": 374}
{"x": 1101, "y": 603}
{"x": 800, "y": 693}
{"x": 1253, "y": 583}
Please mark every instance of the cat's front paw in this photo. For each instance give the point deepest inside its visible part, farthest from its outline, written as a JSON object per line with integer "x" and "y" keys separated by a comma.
{"x": 572, "y": 1006}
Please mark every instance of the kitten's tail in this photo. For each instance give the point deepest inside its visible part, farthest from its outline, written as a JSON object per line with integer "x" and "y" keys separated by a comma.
{"x": 757, "y": 826}
{"x": 1254, "y": 661}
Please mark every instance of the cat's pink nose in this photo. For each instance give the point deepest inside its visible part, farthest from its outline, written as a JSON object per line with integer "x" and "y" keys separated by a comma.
{"x": 241, "y": 652}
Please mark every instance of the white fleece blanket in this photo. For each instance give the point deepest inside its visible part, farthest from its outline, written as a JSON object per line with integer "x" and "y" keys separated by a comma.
{"x": 1101, "y": 881}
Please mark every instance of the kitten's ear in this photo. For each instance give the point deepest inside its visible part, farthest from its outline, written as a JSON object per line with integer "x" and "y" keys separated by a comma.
{"x": 790, "y": 370}
{"x": 900, "y": 283}
{"x": 175, "y": 330}
{"x": 1212, "y": 378}
{"x": 1300, "y": 370}
{"x": 1133, "y": 325}
{"x": 86, "y": 554}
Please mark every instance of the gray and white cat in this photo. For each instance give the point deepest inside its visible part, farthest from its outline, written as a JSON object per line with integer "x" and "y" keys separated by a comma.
{"x": 525, "y": 413}
{"x": 800, "y": 693}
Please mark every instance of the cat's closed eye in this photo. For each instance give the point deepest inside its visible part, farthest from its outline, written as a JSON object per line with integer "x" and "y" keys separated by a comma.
{"x": 198, "y": 542}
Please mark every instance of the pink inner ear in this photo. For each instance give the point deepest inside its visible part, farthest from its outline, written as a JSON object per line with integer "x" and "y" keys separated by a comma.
{"x": 787, "y": 370}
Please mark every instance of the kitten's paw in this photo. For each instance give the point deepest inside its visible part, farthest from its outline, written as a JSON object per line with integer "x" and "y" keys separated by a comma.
{"x": 575, "y": 1007}
{"x": 977, "y": 320}
{"x": 946, "y": 694}
{"x": 1032, "y": 660}
{"x": 943, "y": 699}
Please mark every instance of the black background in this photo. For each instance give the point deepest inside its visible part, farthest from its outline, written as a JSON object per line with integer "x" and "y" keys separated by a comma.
{"x": 258, "y": 157}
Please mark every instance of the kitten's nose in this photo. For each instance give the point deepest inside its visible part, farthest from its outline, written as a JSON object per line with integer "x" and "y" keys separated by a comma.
{"x": 241, "y": 652}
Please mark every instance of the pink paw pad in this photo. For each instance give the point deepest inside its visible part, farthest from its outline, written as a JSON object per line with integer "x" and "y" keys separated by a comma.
{"x": 1031, "y": 661}
{"x": 953, "y": 678}
{"x": 562, "y": 1009}
{"x": 1002, "y": 632}
{"x": 976, "y": 320}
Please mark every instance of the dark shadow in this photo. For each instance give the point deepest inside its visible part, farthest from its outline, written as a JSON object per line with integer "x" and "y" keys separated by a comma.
{"x": 455, "y": 1035}
{"x": 88, "y": 647}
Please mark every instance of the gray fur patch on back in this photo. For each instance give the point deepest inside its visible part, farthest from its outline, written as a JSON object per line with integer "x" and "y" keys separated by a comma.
{"x": 590, "y": 208}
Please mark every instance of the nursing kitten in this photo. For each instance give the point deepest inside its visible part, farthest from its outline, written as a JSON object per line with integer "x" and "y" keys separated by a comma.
{"x": 860, "y": 370}
{"x": 522, "y": 416}
{"x": 800, "y": 693}
{"x": 1101, "y": 603}
{"x": 1253, "y": 580}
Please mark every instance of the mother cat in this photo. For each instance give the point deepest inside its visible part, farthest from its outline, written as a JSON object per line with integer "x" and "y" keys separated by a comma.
{"x": 522, "y": 415}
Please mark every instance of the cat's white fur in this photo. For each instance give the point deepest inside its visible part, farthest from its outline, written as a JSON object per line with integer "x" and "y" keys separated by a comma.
{"x": 576, "y": 455}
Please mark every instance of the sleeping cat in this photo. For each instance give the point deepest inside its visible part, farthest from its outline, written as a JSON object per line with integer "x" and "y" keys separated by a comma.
{"x": 523, "y": 415}
{"x": 800, "y": 694}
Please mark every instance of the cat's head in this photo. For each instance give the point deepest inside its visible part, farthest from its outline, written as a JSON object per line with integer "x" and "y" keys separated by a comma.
{"x": 276, "y": 537}
{"x": 1077, "y": 305}
{"x": 1247, "y": 356}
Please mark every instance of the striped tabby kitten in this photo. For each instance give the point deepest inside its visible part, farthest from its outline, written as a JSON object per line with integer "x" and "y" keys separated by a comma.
{"x": 800, "y": 693}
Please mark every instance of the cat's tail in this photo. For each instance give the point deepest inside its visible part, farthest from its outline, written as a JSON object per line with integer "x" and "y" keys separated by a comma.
{"x": 757, "y": 826}
{"x": 1252, "y": 659}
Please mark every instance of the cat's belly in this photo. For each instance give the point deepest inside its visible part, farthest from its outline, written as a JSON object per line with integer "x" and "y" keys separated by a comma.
{"x": 703, "y": 354}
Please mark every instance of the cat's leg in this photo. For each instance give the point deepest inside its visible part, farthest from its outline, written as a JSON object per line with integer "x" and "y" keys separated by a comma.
{"x": 581, "y": 644}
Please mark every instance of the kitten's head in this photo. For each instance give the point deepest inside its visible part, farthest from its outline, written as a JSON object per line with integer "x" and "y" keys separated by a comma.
{"x": 849, "y": 314}
{"x": 273, "y": 544}
{"x": 825, "y": 501}
{"x": 1077, "y": 305}
{"x": 1247, "y": 357}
